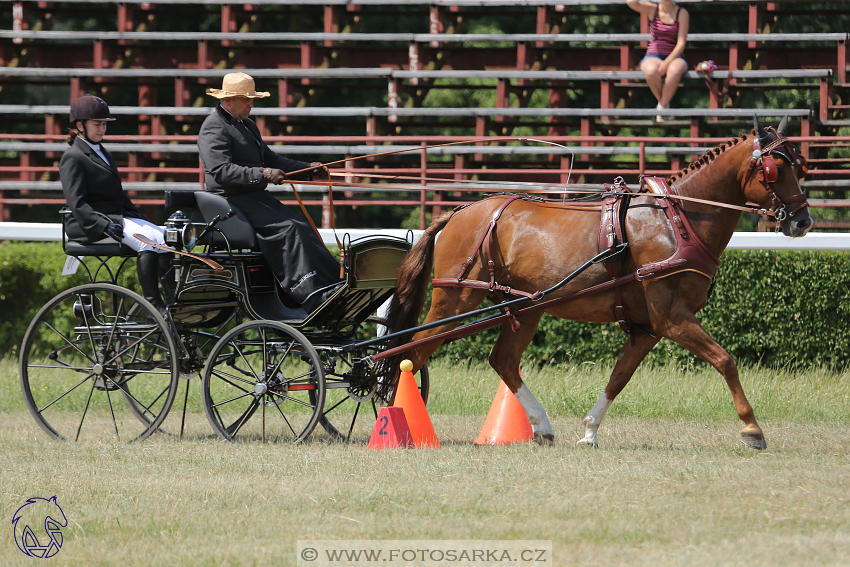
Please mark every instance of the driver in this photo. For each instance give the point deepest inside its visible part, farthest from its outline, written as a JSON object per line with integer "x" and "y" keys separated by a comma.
{"x": 100, "y": 210}
{"x": 239, "y": 166}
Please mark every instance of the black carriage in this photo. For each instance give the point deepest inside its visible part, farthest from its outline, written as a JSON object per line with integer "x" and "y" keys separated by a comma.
{"x": 98, "y": 359}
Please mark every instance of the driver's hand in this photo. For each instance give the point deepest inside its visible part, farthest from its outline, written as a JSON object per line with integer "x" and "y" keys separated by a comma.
{"x": 272, "y": 175}
{"x": 320, "y": 172}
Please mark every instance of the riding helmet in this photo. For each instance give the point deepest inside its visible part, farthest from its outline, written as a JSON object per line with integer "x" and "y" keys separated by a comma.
{"x": 90, "y": 107}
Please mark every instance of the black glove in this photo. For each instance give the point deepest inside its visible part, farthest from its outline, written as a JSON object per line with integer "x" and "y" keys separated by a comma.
{"x": 320, "y": 172}
{"x": 115, "y": 231}
{"x": 275, "y": 176}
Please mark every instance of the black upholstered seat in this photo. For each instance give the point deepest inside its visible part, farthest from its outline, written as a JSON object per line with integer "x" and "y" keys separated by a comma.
{"x": 238, "y": 230}
{"x": 75, "y": 248}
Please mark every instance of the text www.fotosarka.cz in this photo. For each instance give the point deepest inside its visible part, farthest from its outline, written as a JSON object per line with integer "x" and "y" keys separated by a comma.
{"x": 430, "y": 553}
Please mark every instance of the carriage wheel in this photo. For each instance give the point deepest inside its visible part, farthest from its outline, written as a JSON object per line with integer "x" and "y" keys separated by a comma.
{"x": 350, "y": 404}
{"x": 98, "y": 361}
{"x": 263, "y": 382}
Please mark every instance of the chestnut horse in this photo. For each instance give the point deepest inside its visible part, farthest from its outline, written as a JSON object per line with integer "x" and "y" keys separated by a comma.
{"x": 535, "y": 245}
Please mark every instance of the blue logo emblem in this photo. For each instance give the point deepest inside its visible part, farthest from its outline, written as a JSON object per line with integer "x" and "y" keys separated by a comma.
{"x": 38, "y": 527}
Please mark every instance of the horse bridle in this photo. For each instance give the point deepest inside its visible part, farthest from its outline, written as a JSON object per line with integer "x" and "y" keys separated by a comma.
{"x": 763, "y": 161}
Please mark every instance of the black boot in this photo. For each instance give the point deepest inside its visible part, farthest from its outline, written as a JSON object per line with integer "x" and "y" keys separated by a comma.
{"x": 147, "y": 267}
{"x": 165, "y": 264}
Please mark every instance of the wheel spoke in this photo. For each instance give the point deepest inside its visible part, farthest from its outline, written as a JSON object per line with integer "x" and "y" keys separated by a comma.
{"x": 221, "y": 376}
{"x": 289, "y": 425}
{"x": 243, "y": 419}
{"x": 233, "y": 399}
{"x": 85, "y": 411}
{"x": 67, "y": 340}
{"x": 336, "y": 405}
{"x": 112, "y": 411}
{"x": 65, "y": 394}
{"x": 353, "y": 419}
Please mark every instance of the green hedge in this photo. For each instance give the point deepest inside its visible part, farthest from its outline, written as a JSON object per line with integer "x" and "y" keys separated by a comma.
{"x": 774, "y": 308}
{"x": 30, "y": 274}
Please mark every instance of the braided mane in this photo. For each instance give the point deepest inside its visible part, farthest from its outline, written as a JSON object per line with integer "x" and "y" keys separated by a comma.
{"x": 706, "y": 158}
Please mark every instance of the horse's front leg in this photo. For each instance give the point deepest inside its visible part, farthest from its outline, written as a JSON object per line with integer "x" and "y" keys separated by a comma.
{"x": 627, "y": 362}
{"x": 505, "y": 359}
{"x": 690, "y": 334}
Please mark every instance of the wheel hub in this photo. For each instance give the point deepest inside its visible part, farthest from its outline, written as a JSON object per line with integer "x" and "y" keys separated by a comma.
{"x": 275, "y": 388}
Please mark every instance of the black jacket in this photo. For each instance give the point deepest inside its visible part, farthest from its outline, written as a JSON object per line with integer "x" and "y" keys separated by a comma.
{"x": 234, "y": 155}
{"x": 93, "y": 192}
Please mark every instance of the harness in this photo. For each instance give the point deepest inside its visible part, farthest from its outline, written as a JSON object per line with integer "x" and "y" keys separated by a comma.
{"x": 691, "y": 254}
{"x": 763, "y": 162}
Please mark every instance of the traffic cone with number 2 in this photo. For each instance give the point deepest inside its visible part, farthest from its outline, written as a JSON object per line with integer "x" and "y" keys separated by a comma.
{"x": 409, "y": 398}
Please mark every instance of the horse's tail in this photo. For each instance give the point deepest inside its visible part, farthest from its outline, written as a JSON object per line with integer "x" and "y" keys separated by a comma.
{"x": 407, "y": 303}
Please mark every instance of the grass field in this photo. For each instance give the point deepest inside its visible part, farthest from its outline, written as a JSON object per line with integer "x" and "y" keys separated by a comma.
{"x": 669, "y": 485}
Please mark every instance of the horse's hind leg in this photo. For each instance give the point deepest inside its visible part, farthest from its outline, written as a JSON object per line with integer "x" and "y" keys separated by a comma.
{"x": 628, "y": 361}
{"x": 505, "y": 360}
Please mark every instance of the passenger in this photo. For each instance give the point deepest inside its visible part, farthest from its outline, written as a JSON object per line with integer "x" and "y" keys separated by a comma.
{"x": 668, "y": 24}
{"x": 100, "y": 210}
{"x": 239, "y": 165}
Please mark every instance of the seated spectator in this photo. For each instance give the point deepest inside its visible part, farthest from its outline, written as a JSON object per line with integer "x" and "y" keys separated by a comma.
{"x": 663, "y": 63}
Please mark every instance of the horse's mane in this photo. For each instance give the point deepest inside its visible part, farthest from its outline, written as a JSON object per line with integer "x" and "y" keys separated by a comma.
{"x": 706, "y": 158}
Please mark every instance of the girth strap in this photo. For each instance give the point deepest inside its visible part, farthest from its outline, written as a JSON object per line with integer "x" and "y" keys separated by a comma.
{"x": 611, "y": 233}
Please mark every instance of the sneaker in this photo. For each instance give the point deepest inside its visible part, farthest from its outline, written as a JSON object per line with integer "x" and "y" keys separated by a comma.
{"x": 661, "y": 117}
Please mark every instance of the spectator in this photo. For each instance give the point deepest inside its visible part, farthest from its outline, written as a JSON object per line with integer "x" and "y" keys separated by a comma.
{"x": 663, "y": 63}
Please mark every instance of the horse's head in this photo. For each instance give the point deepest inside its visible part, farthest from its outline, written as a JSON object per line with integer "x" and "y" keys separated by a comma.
{"x": 772, "y": 179}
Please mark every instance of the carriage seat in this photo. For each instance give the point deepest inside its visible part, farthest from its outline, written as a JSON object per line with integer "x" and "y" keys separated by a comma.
{"x": 237, "y": 228}
{"x": 76, "y": 248}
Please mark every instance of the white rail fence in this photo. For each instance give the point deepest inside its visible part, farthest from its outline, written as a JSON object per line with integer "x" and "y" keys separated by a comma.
{"x": 31, "y": 231}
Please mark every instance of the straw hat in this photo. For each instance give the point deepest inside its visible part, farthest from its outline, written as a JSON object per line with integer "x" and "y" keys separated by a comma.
{"x": 237, "y": 84}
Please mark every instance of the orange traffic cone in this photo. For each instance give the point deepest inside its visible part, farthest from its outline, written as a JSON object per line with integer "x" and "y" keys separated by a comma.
{"x": 506, "y": 422}
{"x": 407, "y": 396}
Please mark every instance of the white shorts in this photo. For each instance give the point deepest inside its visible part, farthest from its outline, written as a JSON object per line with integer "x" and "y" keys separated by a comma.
{"x": 140, "y": 226}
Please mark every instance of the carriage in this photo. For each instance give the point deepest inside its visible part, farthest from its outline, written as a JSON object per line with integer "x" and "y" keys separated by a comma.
{"x": 272, "y": 371}
{"x": 98, "y": 359}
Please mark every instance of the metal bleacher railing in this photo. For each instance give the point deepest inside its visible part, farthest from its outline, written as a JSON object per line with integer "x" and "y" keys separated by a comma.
{"x": 28, "y": 172}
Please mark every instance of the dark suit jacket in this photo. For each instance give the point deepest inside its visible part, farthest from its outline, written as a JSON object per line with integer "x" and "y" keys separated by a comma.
{"x": 234, "y": 155}
{"x": 93, "y": 192}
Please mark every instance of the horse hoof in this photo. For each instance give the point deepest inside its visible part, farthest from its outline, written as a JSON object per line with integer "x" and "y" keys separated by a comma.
{"x": 754, "y": 440}
{"x": 544, "y": 440}
{"x": 587, "y": 443}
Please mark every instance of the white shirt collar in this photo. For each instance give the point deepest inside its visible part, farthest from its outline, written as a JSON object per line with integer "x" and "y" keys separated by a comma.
{"x": 97, "y": 149}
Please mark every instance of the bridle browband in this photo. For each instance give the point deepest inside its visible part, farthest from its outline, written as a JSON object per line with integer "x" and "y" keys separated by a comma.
{"x": 763, "y": 162}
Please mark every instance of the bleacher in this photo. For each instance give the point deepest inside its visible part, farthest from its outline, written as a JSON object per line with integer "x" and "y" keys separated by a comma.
{"x": 154, "y": 79}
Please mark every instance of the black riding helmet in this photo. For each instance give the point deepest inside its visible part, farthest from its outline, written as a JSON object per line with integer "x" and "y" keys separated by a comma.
{"x": 90, "y": 107}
